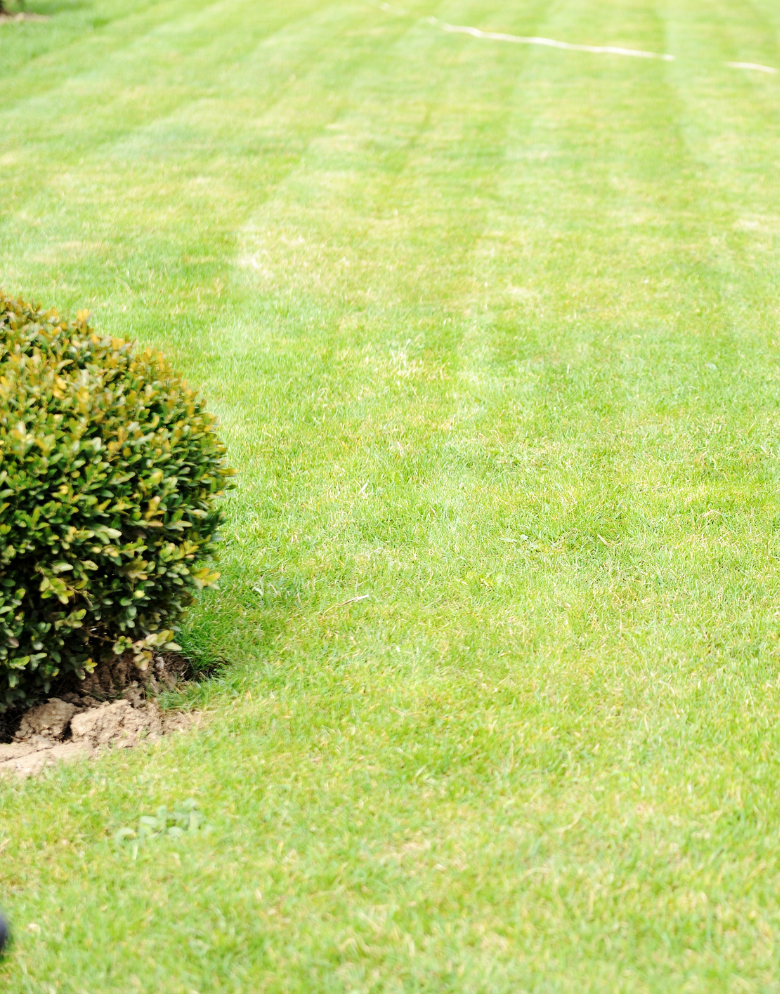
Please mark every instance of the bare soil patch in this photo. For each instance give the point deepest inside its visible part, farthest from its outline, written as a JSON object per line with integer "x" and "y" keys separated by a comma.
{"x": 112, "y": 708}
{"x": 6, "y": 17}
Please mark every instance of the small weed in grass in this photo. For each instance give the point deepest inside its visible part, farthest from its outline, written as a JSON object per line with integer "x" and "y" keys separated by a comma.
{"x": 183, "y": 819}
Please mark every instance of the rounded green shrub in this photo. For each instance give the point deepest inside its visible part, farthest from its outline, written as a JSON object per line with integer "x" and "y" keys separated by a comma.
{"x": 109, "y": 470}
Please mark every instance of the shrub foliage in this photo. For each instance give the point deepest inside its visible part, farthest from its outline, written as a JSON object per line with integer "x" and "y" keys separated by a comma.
{"x": 109, "y": 470}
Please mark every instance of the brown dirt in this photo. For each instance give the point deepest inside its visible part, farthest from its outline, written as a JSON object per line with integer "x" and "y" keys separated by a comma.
{"x": 87, "y": 717}
{"x": 6, "y": 16}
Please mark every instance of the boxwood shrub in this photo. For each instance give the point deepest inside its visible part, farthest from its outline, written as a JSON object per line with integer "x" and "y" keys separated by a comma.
{"x": 109, "y": 472}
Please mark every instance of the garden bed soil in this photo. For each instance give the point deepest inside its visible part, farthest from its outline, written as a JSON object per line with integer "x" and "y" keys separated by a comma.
{"x": 6, "y": 16}
{"x": 112, "y": 707}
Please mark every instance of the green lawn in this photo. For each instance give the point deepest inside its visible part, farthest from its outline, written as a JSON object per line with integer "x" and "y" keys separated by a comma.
{"x": 493, "y": 332}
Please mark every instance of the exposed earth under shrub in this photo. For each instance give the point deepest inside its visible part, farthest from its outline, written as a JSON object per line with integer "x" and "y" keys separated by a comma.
{"x": 113, "y": 707}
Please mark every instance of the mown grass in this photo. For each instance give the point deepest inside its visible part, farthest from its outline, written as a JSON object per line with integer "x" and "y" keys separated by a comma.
{"x": 493, "y": 335}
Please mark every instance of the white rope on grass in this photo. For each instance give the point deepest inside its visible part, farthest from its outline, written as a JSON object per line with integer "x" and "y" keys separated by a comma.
{"x": 750, "y": 65}
{"x": 593, "y": 49}
{"x": 551, "y": 43}
{"x": 634, "y": 53}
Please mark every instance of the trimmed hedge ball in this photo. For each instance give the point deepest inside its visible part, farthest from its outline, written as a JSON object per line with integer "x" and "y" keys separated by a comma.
{"x": 110, "y": 468}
